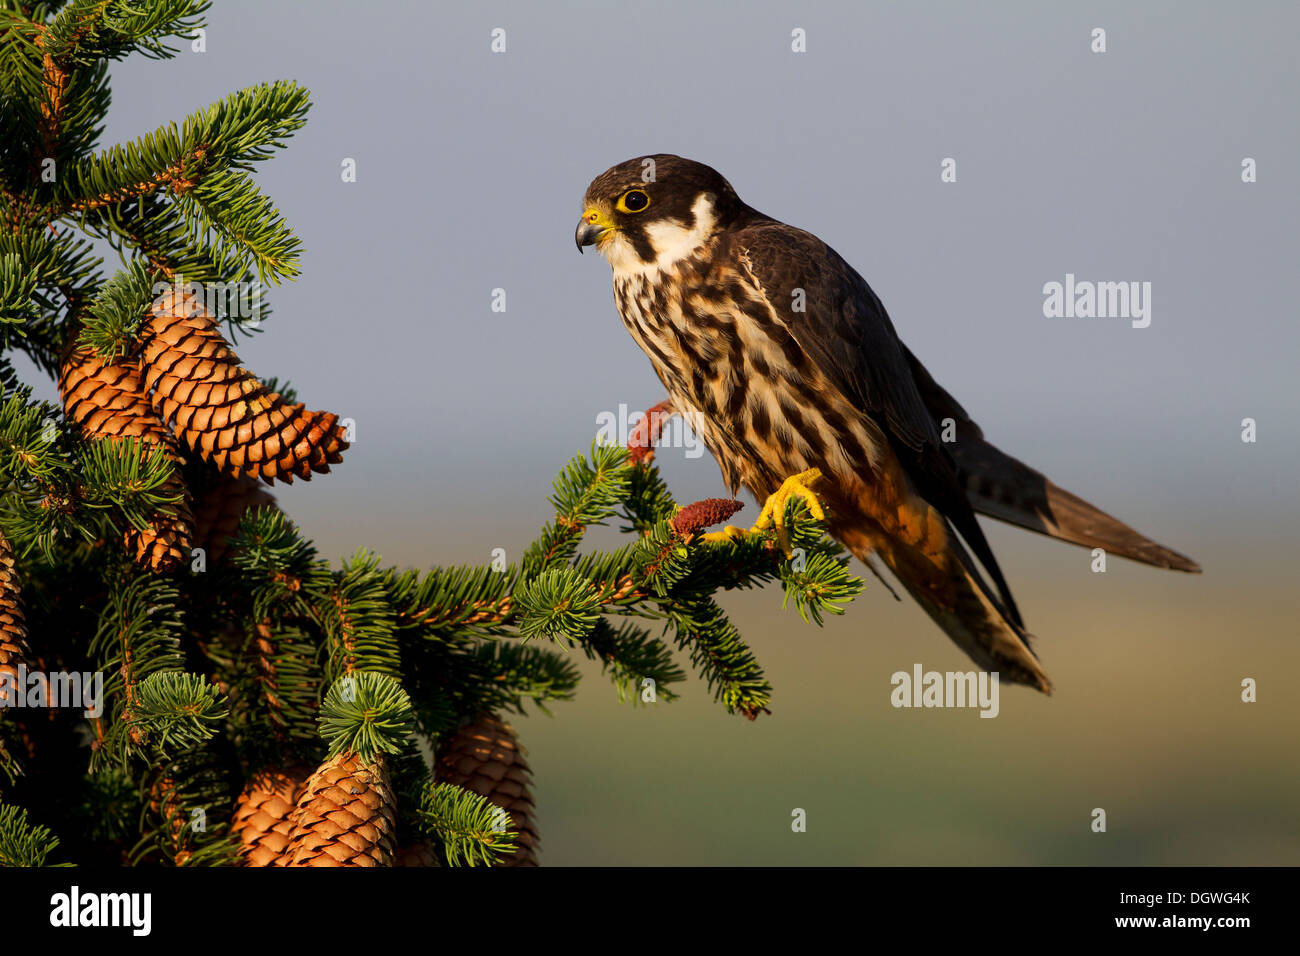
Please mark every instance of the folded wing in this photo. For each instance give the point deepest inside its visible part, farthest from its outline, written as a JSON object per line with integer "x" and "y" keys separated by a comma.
{"x": 1005, "y": 488}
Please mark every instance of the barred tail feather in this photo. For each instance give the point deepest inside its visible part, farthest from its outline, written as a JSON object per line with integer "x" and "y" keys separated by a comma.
{"x": 1002, "y": 487}
{"x": 1005, "y": 488}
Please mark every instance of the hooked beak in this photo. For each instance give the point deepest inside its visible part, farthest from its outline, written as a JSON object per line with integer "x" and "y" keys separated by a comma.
{"x": 592, "y": 227}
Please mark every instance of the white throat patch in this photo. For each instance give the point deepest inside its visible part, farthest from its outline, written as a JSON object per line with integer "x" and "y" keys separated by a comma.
{"x": 671, "y": 239}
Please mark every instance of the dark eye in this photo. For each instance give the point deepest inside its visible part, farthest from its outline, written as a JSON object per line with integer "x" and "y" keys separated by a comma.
{"x": 634, "y": 200}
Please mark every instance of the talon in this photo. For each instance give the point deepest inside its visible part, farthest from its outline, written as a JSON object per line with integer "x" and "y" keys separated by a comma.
{"x": 773, "y": 514}
{"x": 729, "y": 533}
{"x": 774, "y": 507}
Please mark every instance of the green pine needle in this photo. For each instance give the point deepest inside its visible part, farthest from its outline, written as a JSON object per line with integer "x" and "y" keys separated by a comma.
{"x": 560, "y": 604}
{"x": 367, "y": 714}
{"x": 17, "y": 287}
{"x": 178, "y": 710}
{"x": 472, "y": 830}
{"x": 88, "y": 30}
{"x": 631, "y": 656}
{"x": 114, "y": 316}
{"x": 23, "y": 843}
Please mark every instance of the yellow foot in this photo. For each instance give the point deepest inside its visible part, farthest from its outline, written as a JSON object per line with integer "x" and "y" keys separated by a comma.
{"x": 774, "y": 511}
{"x": 730, "y": 532}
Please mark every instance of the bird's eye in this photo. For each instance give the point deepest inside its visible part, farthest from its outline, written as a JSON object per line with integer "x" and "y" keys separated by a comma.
{"x": 634, "y": 200}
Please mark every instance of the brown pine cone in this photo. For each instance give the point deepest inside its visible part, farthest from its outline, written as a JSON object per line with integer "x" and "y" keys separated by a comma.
{"x": 263, "y": 815}
{"x": 220, "y": 409}
{"x": 416, "y": 854}
{"x": 13, "y": 627}
{"x": 216, "y": 517}
{"x": 346, "y": 816}
{"x": 484, "y": 756}
{"x": 108, "y": 402}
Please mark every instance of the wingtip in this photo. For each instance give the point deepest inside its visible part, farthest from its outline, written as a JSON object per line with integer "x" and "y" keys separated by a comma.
{"x": 1173, "y": 561}
{"x": 1040, "y": 681}
{"x": 1035, "y": 679}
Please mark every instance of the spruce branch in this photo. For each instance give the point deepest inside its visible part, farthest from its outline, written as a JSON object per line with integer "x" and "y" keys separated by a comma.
{"x": 718, "y": 652}
{"x": 471, "y": 830}
{"x": 63, "y": 271}
{"x": 451, "y": 598}
{"x": 231, "y": 134}
{"x": 585, "y": 494}
{"x": 110, "y": 806}
{"x": 184, "y": 812}
{"x": 358, "y": 622}
{"x": 128, "y": 474}
{"x": 55, "y": 258}
{"x": 227, "y": 207}
{"x": 648, "y": 500}
{"x": 367, "y": 714}
{"x": 107, "y": 403}
{"x": 63, "y": 487}
{"x": 138, "y": 636}
{"x": 86, "y": 31}
{"x": 23, "y": 843}
{"x": 177, "y": 250}
{"x": 275, "y": 561}
{"x": 512, "y": 672}
{"x": 274, "y": 682}
{"x": 668, "y": 573}
{"x": 631, "y": 655}
{"x": 822, "y": 585}
{"x": 27, "y": 440}
{"x": 113, "y": 317}
{"x": 17, "y": 287}
{"x": 559, "y": 603}
{"x": 177, "y": 710}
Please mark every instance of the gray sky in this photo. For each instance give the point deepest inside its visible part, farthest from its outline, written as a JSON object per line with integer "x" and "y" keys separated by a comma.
{"x": 1122, "y": 166}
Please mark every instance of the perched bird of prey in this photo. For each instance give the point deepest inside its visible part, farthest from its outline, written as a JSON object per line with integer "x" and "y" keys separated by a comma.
{"x": 789, "y": 369}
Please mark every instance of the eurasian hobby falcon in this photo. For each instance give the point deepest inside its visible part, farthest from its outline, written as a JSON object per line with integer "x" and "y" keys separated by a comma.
{"x": 786, "y": 364}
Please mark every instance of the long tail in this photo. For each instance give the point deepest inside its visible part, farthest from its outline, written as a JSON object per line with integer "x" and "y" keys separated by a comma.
{"x": 941, "y": 576}
{"x": 1005, "y": 488}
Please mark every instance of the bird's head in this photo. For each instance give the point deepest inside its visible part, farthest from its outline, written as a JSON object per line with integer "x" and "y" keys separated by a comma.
{"x": 655, "y": 210}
